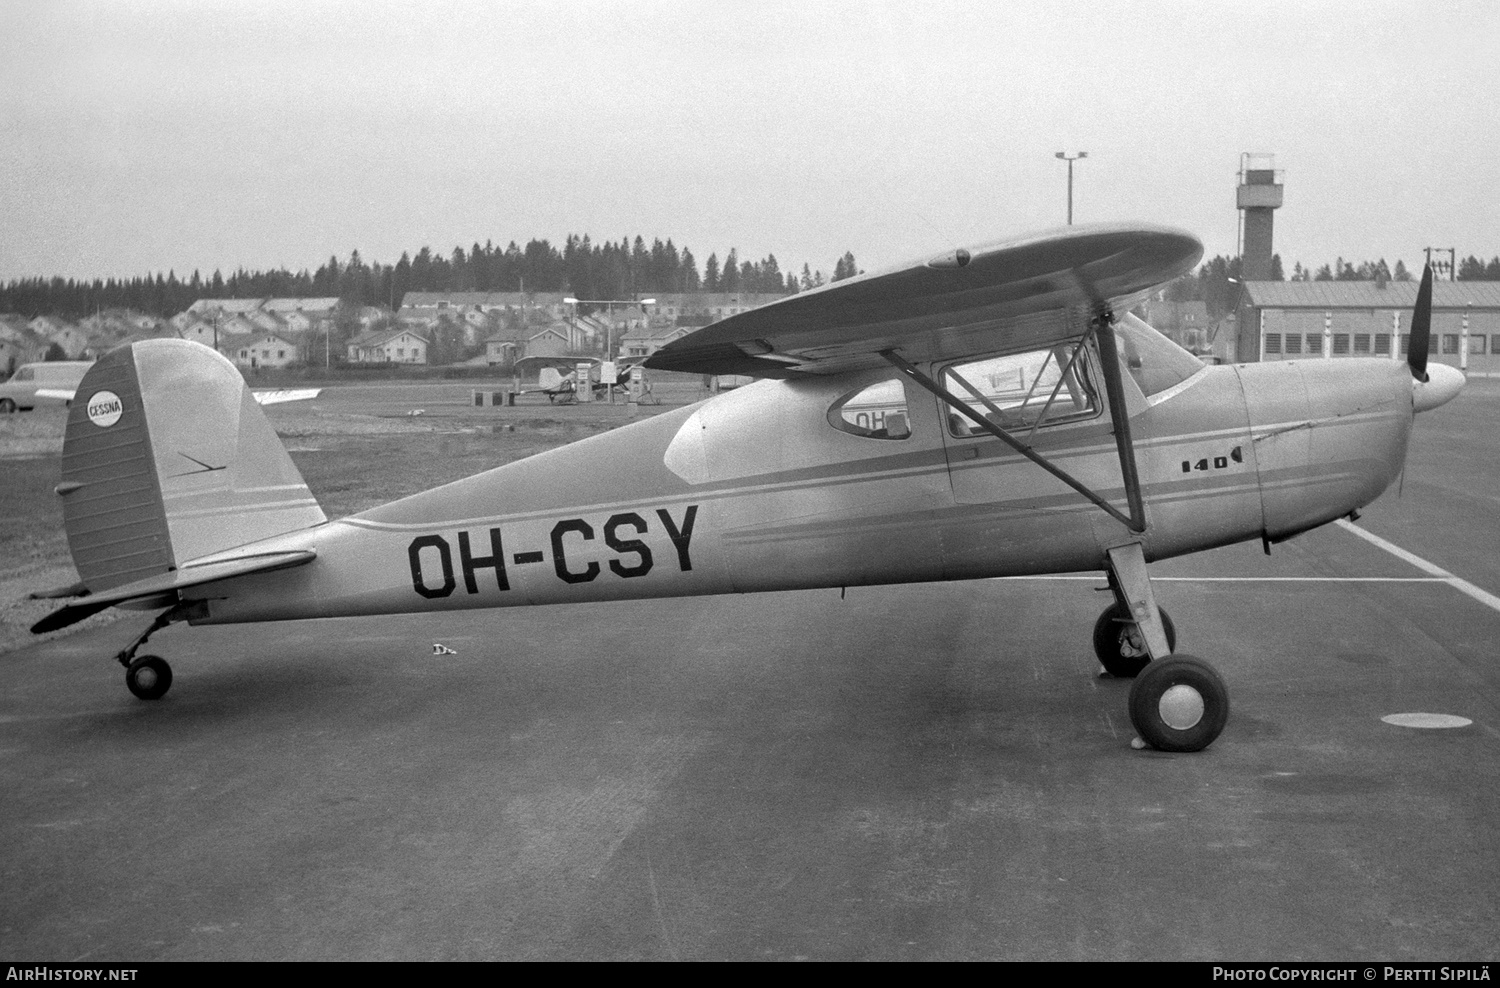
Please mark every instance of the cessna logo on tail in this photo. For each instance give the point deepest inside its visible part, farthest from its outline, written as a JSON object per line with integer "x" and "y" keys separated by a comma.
{"x": 105, "y": 409}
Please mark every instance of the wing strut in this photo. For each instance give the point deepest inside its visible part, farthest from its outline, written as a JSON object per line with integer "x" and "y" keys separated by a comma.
{"x": 1114, "y": 386}
{"x": 1136, "y": 520}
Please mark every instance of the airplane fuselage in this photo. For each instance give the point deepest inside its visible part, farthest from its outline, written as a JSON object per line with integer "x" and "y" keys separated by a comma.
{"x": 755, "y": 490}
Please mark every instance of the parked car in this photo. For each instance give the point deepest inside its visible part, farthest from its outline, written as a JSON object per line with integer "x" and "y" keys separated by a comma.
{"x": 51, "y": 383}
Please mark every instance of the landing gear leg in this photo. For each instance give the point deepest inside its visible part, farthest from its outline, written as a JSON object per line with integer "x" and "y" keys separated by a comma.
{"x": 1135, "y": 603}
{"x": 1177, "y": 702}
{"x": 149, "y": 677}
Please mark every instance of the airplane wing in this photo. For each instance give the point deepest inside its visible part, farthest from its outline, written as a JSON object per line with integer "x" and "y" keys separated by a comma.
{"x": 190, "y": 575}
{"x": 289, "y": 394}
{"x": 1026, "y": 292}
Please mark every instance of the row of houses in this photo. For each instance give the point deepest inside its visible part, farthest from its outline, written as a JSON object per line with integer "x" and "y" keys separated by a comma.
{"x": 1274, "y": 321}
{"x": 516, "y": 324}
{"x": 25, "y": 340}
{"x": 490, "y": 327}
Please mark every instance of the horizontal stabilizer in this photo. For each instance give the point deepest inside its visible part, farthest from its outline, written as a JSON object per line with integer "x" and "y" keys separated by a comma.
{"x": 191, "y": 575}
{"x": 76, "y": 589}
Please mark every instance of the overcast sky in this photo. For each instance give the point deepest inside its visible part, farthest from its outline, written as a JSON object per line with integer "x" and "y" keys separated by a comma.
{"x": 145, "y": 136}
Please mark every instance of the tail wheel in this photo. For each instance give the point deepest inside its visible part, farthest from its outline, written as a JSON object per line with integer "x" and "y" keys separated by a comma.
{"x": 148, "y": 677}
{"x": 1179, "y": 703}
{"x": 7, "y": 406}
{"x": 1119, "y": 644}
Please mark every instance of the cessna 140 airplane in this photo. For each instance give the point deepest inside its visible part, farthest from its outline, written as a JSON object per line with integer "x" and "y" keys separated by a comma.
{"x": 984, "y": 413}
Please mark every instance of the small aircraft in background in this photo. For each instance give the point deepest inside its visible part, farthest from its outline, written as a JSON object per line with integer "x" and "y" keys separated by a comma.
{"x": 993, "y": 411}
{"x": 557, "y": 377}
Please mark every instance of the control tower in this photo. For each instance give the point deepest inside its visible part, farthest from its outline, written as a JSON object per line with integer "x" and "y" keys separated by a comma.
{"x": 1259, "y": 196}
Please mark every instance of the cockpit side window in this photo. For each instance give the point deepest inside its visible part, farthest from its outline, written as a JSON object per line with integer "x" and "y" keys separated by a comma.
{"x": 1046, "y": 387}
{"x": 877, "y": 411}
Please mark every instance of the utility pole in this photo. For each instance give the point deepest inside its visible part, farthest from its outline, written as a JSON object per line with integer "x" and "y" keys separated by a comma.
{"x": 1437, "y": 267}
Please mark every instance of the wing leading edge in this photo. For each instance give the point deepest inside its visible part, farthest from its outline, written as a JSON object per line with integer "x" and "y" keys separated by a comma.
{"x": 1020, "y": 292}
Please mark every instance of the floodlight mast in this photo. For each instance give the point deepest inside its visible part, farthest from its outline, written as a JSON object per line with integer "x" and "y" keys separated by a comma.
{"x": 609, "y": 323}
{"x": 1070, "y": 159}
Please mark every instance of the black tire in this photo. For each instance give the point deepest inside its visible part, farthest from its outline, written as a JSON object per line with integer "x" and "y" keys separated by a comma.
{"x": 1116, "y": 641}
{"x": 149, "y": 677}
{"x": 7, "y": 406}
{"x": 1179, "y": 703}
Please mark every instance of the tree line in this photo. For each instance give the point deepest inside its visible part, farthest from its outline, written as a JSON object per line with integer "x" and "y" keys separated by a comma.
{"x": 627, "y": 269}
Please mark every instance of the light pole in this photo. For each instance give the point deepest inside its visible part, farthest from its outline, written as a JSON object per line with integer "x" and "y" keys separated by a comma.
{"x": 609, "y": 323}
{"x": 1070, "y": 159}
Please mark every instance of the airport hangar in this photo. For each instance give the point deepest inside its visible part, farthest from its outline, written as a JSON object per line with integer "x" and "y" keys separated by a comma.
{"x": 1300, "y": 320}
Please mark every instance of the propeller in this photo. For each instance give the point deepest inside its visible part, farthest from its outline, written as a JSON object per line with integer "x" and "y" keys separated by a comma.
{"x": 1433, "y": 386}
{"x": 1421, "y": 328}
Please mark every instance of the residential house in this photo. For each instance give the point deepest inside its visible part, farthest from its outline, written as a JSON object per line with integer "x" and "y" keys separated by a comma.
{"x": 13, "y": 326}
{"x": 73, "y": 341}
{"x": 644, "y": 340}
{"x": 419, "y": 318}
{"x": 368, "y": 315}
{"x": 300, "y": 315}
{"x": 12, "y": 355}
{"x": 255, "y": 350}
{"x": 588, "y": 331}
{"x": 21, "y": 345}
{"x": 210, "y": 335}
{"x": 238, "y": 325}
{"x": 150, "y": 325}
{"x": 504, "y": 347}
{"x": 268, "y": 321}
{"x": 119, "y": 323}
{"x": 400, "y": 345}
{"x": 552, "y": 340}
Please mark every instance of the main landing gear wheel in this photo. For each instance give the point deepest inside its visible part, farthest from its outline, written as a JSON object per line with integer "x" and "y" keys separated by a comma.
{"x": 1120, "y": 645}
{"x": 1179, "y": 704}
{"x": 7, "y": 406}
{"x": 148, "y": 677}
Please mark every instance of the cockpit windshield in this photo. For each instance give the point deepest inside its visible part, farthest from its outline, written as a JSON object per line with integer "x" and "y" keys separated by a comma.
{"x": 1154, "y": 361}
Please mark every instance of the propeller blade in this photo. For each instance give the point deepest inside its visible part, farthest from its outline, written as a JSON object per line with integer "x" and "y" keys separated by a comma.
{"x": 1421, "y": 328}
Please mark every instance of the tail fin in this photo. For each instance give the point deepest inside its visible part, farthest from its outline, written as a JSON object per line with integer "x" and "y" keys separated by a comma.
{"x": 167, "y": 458}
